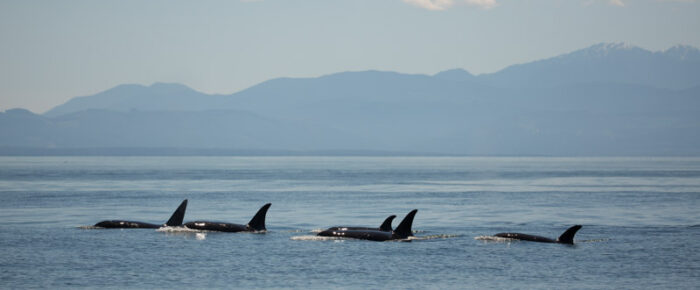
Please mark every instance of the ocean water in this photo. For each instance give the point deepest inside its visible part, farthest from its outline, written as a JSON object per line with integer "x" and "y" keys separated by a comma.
{"x": 640, "y": 217}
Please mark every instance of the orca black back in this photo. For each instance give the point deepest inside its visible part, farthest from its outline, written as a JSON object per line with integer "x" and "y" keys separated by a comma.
{"x": 385, "y": 226}
{"x": 401, "y": 232}
{"x": 256, "y": 224}
{"x": 566, "y": 238}
{"x": 175, "y": 220}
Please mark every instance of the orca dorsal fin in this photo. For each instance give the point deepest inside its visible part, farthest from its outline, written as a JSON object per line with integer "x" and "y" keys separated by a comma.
{"x": 386, "y": 225}
{"x": 257, "y": 223}
{"x": 568, "y": 236}
{"x": 404, "y": 228}
{"x": 177, "y": 217}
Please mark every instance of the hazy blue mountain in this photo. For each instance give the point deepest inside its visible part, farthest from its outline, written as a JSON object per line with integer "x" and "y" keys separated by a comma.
{"x": 682, "y": 53}
{"x": 609, "y": 99}
{"x": 605, "y": 119}
{"x": 676, "y": 68}
{"x": 19, "y": 127}
{"x": 338, "y": 95}
{"x": 456, "y": 74}
{"x": 157, "y": 97}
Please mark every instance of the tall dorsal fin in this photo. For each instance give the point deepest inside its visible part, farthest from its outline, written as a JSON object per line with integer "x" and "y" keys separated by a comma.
{"x": 177, "y": 217}
{"x": 386, "y": 225}
{"x": 568, "y": 236}
{"x": 258, "y": 221}
{"x": 404, "y": 228}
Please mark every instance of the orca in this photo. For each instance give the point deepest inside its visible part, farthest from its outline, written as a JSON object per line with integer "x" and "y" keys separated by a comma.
{"x": 401, "y": 232}
{"x": 566, "y": 238}
{"x": 175, "y": 220}
{"x": 256, "y": 224}
{"x": 385, "y": 226}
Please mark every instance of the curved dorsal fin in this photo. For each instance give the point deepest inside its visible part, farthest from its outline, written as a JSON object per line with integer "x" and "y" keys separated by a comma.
{"x": 257, "y": 223}
{"x": 568, "y": 236}
{"x": 386, "y": 225}
{"x": 404, "y": 228}
{"x": 177, "y": 217}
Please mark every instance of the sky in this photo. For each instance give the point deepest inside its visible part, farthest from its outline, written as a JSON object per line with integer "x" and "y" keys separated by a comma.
{"x": 52, "y": 51}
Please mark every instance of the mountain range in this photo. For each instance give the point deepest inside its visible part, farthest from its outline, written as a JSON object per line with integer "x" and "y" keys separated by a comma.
{"x": 607, "y": 99}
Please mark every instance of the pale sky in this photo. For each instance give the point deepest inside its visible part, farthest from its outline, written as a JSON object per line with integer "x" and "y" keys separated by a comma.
{"x": 51, "y": 51}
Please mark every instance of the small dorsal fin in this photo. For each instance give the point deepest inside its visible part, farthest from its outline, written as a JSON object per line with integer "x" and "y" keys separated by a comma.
{"x": 177, "y": 217}
{"x": 386, "y": 225}
{"x": 568, "y": 236}
{"x": 257, "y": 223}
{"x": 404, "y": 228}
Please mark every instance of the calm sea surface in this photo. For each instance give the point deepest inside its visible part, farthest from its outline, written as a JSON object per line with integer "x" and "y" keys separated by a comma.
{"x": 640, "y": 217}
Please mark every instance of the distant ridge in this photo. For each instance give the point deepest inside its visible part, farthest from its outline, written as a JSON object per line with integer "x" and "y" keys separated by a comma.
{"x": 675, "y": 68}
{"x": 607, "y": 99}
{"x": 157, "y": 97}
{"x": 456, "y": 74}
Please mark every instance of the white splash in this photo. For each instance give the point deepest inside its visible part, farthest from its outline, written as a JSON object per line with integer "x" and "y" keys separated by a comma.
{"x": 177, "y": 230}
{"x": 433, "y": 237}
{"x": 316, "y": 238}
{"x": 90, "y": 227}
{"x": 494, "y": 239}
